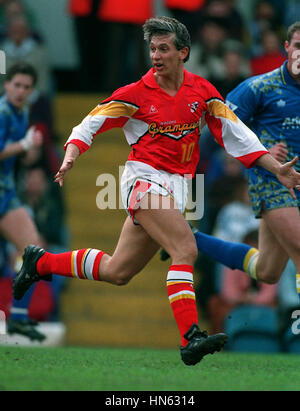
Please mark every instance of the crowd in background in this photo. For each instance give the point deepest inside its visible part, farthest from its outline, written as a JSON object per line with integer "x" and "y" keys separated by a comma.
{"x": 34, "y": 171}
{"x": 228, "y": 46}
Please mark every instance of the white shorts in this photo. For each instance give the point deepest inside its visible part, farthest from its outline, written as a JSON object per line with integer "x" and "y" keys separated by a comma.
{"x": 139, "y": 179}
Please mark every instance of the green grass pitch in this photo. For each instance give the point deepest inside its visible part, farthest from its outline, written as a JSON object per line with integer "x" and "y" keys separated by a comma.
{"x": 120, "y": 369}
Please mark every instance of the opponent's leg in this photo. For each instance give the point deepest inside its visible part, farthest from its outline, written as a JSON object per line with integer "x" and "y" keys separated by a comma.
{"x": 265, "y": 263}
{"x": 272, "y": 257}
{"x": 233, "y": 255}
{"x": 17, "y": 227}
{"x": 284, "y": 224}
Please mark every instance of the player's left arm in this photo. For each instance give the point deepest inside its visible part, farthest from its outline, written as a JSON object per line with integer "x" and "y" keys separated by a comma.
{"x": 239, "y": 141}
{"x": 231, "y": 133}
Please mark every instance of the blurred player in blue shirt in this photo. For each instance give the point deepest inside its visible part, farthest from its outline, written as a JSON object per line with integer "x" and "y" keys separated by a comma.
{"x": 270, "y": 104}
{"x": 16, "y": 226}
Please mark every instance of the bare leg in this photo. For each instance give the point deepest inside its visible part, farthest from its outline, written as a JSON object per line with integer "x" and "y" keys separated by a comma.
{"x": 134, "y": 250}
{"x": 279, "y": 239}
{"x": 18, "y": 228}
{"x": 138, "y": 244}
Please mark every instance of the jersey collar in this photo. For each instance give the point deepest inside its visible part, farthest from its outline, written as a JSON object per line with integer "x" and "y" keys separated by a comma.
{"x": 150, "y": 81}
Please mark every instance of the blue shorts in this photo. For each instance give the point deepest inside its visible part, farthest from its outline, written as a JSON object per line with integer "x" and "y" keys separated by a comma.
{"x": 8, "y": 202}
{"x": 267, "y": 193}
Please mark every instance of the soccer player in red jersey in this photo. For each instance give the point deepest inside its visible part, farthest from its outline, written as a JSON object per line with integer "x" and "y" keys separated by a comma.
{"x": 161, "y": 115}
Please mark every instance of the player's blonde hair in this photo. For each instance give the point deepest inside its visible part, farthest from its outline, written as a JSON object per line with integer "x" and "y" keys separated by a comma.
{"x": 163, "y": 25}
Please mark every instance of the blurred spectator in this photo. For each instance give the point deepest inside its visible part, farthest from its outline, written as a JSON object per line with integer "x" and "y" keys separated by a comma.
{"x": 188, "y": 12}
{"x": 43, "y": 200}
{"x": 224, "y": 13}
{"x": 271, "y": 57}
{"x": 265, "y": 18}
{"x": 126, "y": 55}
{"x": 236, "y": 289}
{"x": 41, "y": 116}
{"x": 20, "y": 45}
{"x": 206, "y": 58}
{"x": 221, "y": 179}
{"x": 236, "y": 218}
{"x": 222, "y": 165}
{"x": 15, "y": 8}
{"x": 236, "y": 70}
{"x": 90, "y": 33}
{"x": 48, "y": 156}
{"x": 291, "y": 12}
{"x": 116, "y": 25}
{"x": 39, "y": 195}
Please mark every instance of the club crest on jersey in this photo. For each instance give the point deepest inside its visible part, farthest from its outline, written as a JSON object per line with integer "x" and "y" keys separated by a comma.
{"x": 193, "y": 106}
{"x": 281, "y": 103}
{"x": 153, "y": 109}
{"x": 175, "y": 131}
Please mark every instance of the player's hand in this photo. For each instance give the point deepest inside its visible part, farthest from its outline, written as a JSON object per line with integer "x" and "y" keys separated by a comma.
{"x": 72, "y": 152}
{"x": 279, "y": 152}
{"x": 33, "y": 138}
{"x": 62, "y": 172}
{"x": 37, "y": 138}
{"x": 289, "y": 177}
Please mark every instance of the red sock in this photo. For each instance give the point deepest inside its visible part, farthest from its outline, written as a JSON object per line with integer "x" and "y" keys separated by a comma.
{"x": 182, "y": 297}
{"x": 82, "y": 264}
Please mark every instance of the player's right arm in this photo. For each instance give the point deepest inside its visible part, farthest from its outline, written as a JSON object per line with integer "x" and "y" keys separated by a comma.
{"x": 71, "y": 154}
{"x": 113, "y": 112}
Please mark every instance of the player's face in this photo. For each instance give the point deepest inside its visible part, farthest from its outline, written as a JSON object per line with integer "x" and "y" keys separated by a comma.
{"x": 165, "y": 58}
{"x": 18, "y": 89}
{"x": 293, "y": 51}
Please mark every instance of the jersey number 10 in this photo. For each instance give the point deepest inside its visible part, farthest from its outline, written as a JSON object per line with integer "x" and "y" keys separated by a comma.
{"x": 187, "y": 152}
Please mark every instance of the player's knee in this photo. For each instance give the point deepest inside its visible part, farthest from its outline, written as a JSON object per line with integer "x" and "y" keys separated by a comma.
{"x": 193, "y": 251}
{"x": 121, "y": 281}
{"x": 270, "y": 280}
{"x": 122, "y": 278}
{"x": 268, "y": 277}
{"x": 270, "y": 273}
{"x": 187, "y": 251}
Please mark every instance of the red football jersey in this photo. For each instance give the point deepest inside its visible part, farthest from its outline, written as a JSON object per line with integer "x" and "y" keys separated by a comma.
{"x": 163, "y": 131}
